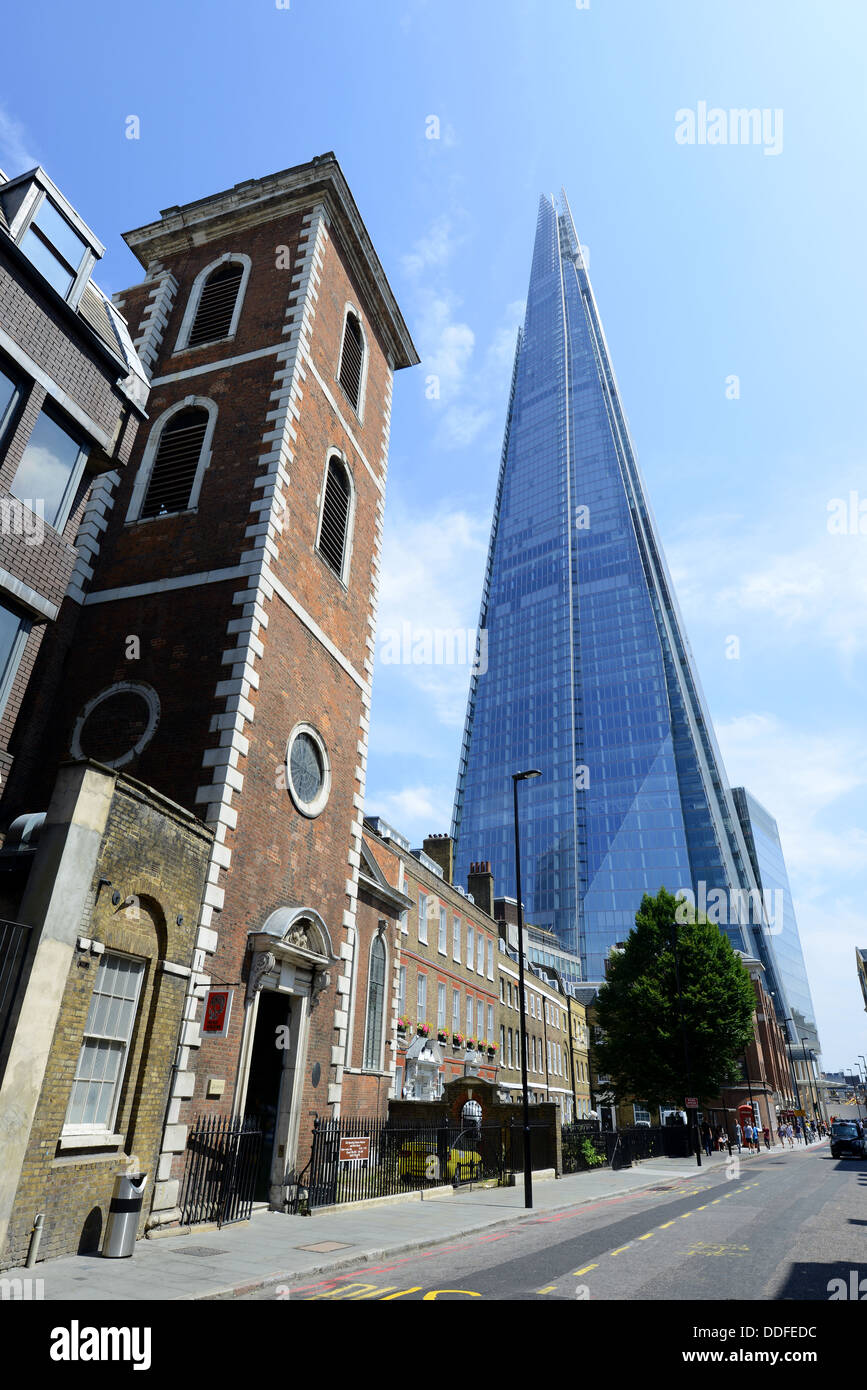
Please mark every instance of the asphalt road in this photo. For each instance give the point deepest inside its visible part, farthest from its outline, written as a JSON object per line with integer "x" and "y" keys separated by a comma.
{"x": 783, "y": 1225}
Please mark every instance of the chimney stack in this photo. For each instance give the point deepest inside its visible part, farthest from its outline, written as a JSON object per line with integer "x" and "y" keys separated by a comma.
{"x": 480, "y": 885}
{"x": 441, "y": 849}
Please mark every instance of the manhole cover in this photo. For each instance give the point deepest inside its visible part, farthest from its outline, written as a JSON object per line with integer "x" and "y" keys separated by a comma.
{"x": 199, "y": 1250}
{"x": 326, "y": 1246}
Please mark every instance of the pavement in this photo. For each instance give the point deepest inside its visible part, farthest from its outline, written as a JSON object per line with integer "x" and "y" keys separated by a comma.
{"x": 272, "y": 1247}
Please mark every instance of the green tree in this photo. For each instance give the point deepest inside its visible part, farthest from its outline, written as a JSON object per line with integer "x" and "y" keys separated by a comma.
{"x": 642, "y": 1050}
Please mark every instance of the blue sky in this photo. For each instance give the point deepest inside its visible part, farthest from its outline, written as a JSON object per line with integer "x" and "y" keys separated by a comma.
{"x": 708, "y": 261}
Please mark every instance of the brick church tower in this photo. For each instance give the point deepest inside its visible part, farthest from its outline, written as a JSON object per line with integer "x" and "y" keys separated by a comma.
{"x": 224, "y": 645}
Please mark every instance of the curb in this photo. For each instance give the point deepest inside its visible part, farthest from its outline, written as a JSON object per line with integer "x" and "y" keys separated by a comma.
{"x": 370, "y": 1256}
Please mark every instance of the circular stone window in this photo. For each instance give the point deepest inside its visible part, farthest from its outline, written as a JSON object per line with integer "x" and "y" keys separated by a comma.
{"x": 117, "y": 724}
{"x": 308, "y": 770}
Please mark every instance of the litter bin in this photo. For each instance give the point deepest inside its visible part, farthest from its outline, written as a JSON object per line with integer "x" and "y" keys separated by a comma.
{"x": 123, "y": 1216}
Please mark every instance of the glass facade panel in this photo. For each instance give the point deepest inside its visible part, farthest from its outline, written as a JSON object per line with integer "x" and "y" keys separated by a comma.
{"x": 766, "y": 852}
{"x": 589, "y": 677}
{"x": 48, "y": 470}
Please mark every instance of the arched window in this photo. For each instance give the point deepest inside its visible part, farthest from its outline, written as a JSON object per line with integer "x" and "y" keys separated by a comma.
{"x": 375, "y": 1006}
{"x": 352, "y": 360}
{"x": 334, "y": 525}
{"x": 176, "y": 463}
{"x": 216, "y": 305}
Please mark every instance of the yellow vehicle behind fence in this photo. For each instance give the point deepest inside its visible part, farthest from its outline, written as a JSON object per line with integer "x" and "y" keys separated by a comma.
{"x": 418, "y": 1159}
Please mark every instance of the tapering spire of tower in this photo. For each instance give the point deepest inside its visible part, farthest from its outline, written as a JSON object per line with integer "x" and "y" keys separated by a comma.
{"x": 589, "y": 674}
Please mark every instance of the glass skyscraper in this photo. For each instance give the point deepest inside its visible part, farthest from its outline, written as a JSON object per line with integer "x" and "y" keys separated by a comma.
{"x": 589, "y": 675}
{"x": 766, "y": 854}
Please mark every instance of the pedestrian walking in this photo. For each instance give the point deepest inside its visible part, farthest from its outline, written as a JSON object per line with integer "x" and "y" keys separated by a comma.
{"x": 748, "y": 1137}
{"x": 707, "y": 1138}
{"x": 781, "y": 1133}
{"x": 739, "y": 1136}
{"x": 766, "y": 1133}
{"x": 789, "y": 1136}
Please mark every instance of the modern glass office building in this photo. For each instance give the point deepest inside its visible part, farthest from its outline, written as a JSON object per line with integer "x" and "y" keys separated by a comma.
{"x": 589, "y": 675}
{"x": 766, "y": 854}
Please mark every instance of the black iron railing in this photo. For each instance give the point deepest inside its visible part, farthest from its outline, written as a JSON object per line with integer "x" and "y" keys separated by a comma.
{"x": 14, "y": 941}
{"x": 221, "y": 1170}
{"x": 354, "y": 1159}
{"x": 617, "y": 1148}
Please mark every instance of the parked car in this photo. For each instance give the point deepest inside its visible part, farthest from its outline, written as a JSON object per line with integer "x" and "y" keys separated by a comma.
{"x": 415, "y": 1162}
{"x": 847, "y": 1138}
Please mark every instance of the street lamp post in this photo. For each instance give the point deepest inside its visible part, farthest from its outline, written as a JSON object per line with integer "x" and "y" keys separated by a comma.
{"x": 528, "y": 1174}
{"x": 690, "y": 1117}
{"x": 792, "y": 1064}
{"x": 809, "y": 1069}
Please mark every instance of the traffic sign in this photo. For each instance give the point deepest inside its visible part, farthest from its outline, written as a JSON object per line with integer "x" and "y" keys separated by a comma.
{"x": 691, "y": 1103}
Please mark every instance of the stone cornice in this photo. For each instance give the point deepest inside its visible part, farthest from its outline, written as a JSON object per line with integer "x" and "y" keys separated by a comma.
{"x": 263, "y": 200}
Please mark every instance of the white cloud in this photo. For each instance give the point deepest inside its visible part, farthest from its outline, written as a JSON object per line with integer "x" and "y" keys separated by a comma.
{"x": 464, "y": 393}
{"x": 16, "y": 156}
{"x": 446, "y": 345}
{"x": 410, "y": 807}
{"x": 800, "y": 776}
{"x": 815, "y": 786}
{"x": 434, "y": 249}
{"x": 732, "y": 570}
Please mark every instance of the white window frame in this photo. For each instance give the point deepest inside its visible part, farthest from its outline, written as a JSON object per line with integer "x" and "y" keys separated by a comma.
{"x": 491, "y": 1028}
{"x": 16, "y": 651}
{"x": 358, "y": 410}
{"x": 456, "y": 939}
{"x": 640, "y": 1114}
{"x": 441, "y": 1005}
{"x": 490, "y": 959}
{"x": 443, "y": 939}
{"x": 421, "y": 997}
{"x": 401, "y": 992}
{"x": 470, "y": 1014}
{"x": 107, "y": 1128}
{"x": 480, "y": 1019}
{"x": 422, "y": 919}
{"x": 471, "y": 947}
{"x": 480, "y": 954}
{"x": 28, "y": 210}
{"x": 365, "y": 1065}
{"x": 195, "y": 295}
{"x": 334, "y": 452}
{"x": 456, "y": 1011}
{"x": 146, "y": 466}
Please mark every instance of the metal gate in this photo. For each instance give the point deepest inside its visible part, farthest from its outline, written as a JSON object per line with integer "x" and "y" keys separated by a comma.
{"x": 220, "y": 1176}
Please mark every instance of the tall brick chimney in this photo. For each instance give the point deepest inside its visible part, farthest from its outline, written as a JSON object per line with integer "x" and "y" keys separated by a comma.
{"x": 441, "y": 849}
{"x": 480, "y": 885}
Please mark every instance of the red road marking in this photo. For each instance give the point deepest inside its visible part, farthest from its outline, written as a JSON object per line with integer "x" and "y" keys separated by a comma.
{"x": 481, "y": 1240}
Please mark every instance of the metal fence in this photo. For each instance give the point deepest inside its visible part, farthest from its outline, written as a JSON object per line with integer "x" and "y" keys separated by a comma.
{"x": 617, "y": 1148}
{"x": 221, "y": 1169}
{"x": 14, "y": 940}
{"x": 354, "y": 1158}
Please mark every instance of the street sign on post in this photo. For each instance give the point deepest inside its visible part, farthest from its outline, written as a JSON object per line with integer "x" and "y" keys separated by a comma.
{"x": 691, "y": 1103}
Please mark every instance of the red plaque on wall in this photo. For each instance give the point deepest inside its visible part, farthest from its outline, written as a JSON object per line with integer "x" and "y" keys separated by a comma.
{"x": 218, "y": 1007}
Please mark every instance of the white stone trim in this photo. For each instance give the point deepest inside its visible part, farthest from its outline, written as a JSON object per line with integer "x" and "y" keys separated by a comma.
{"x": 333, "y": 452}
{"x": 195, "y": 296}
{"x": 350, "y": 308}
{"x": 151, "y": 699}
{"x": 164, "y": 586}
{"x": 155, "y": 316}
{"x": 145, "y": 468}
